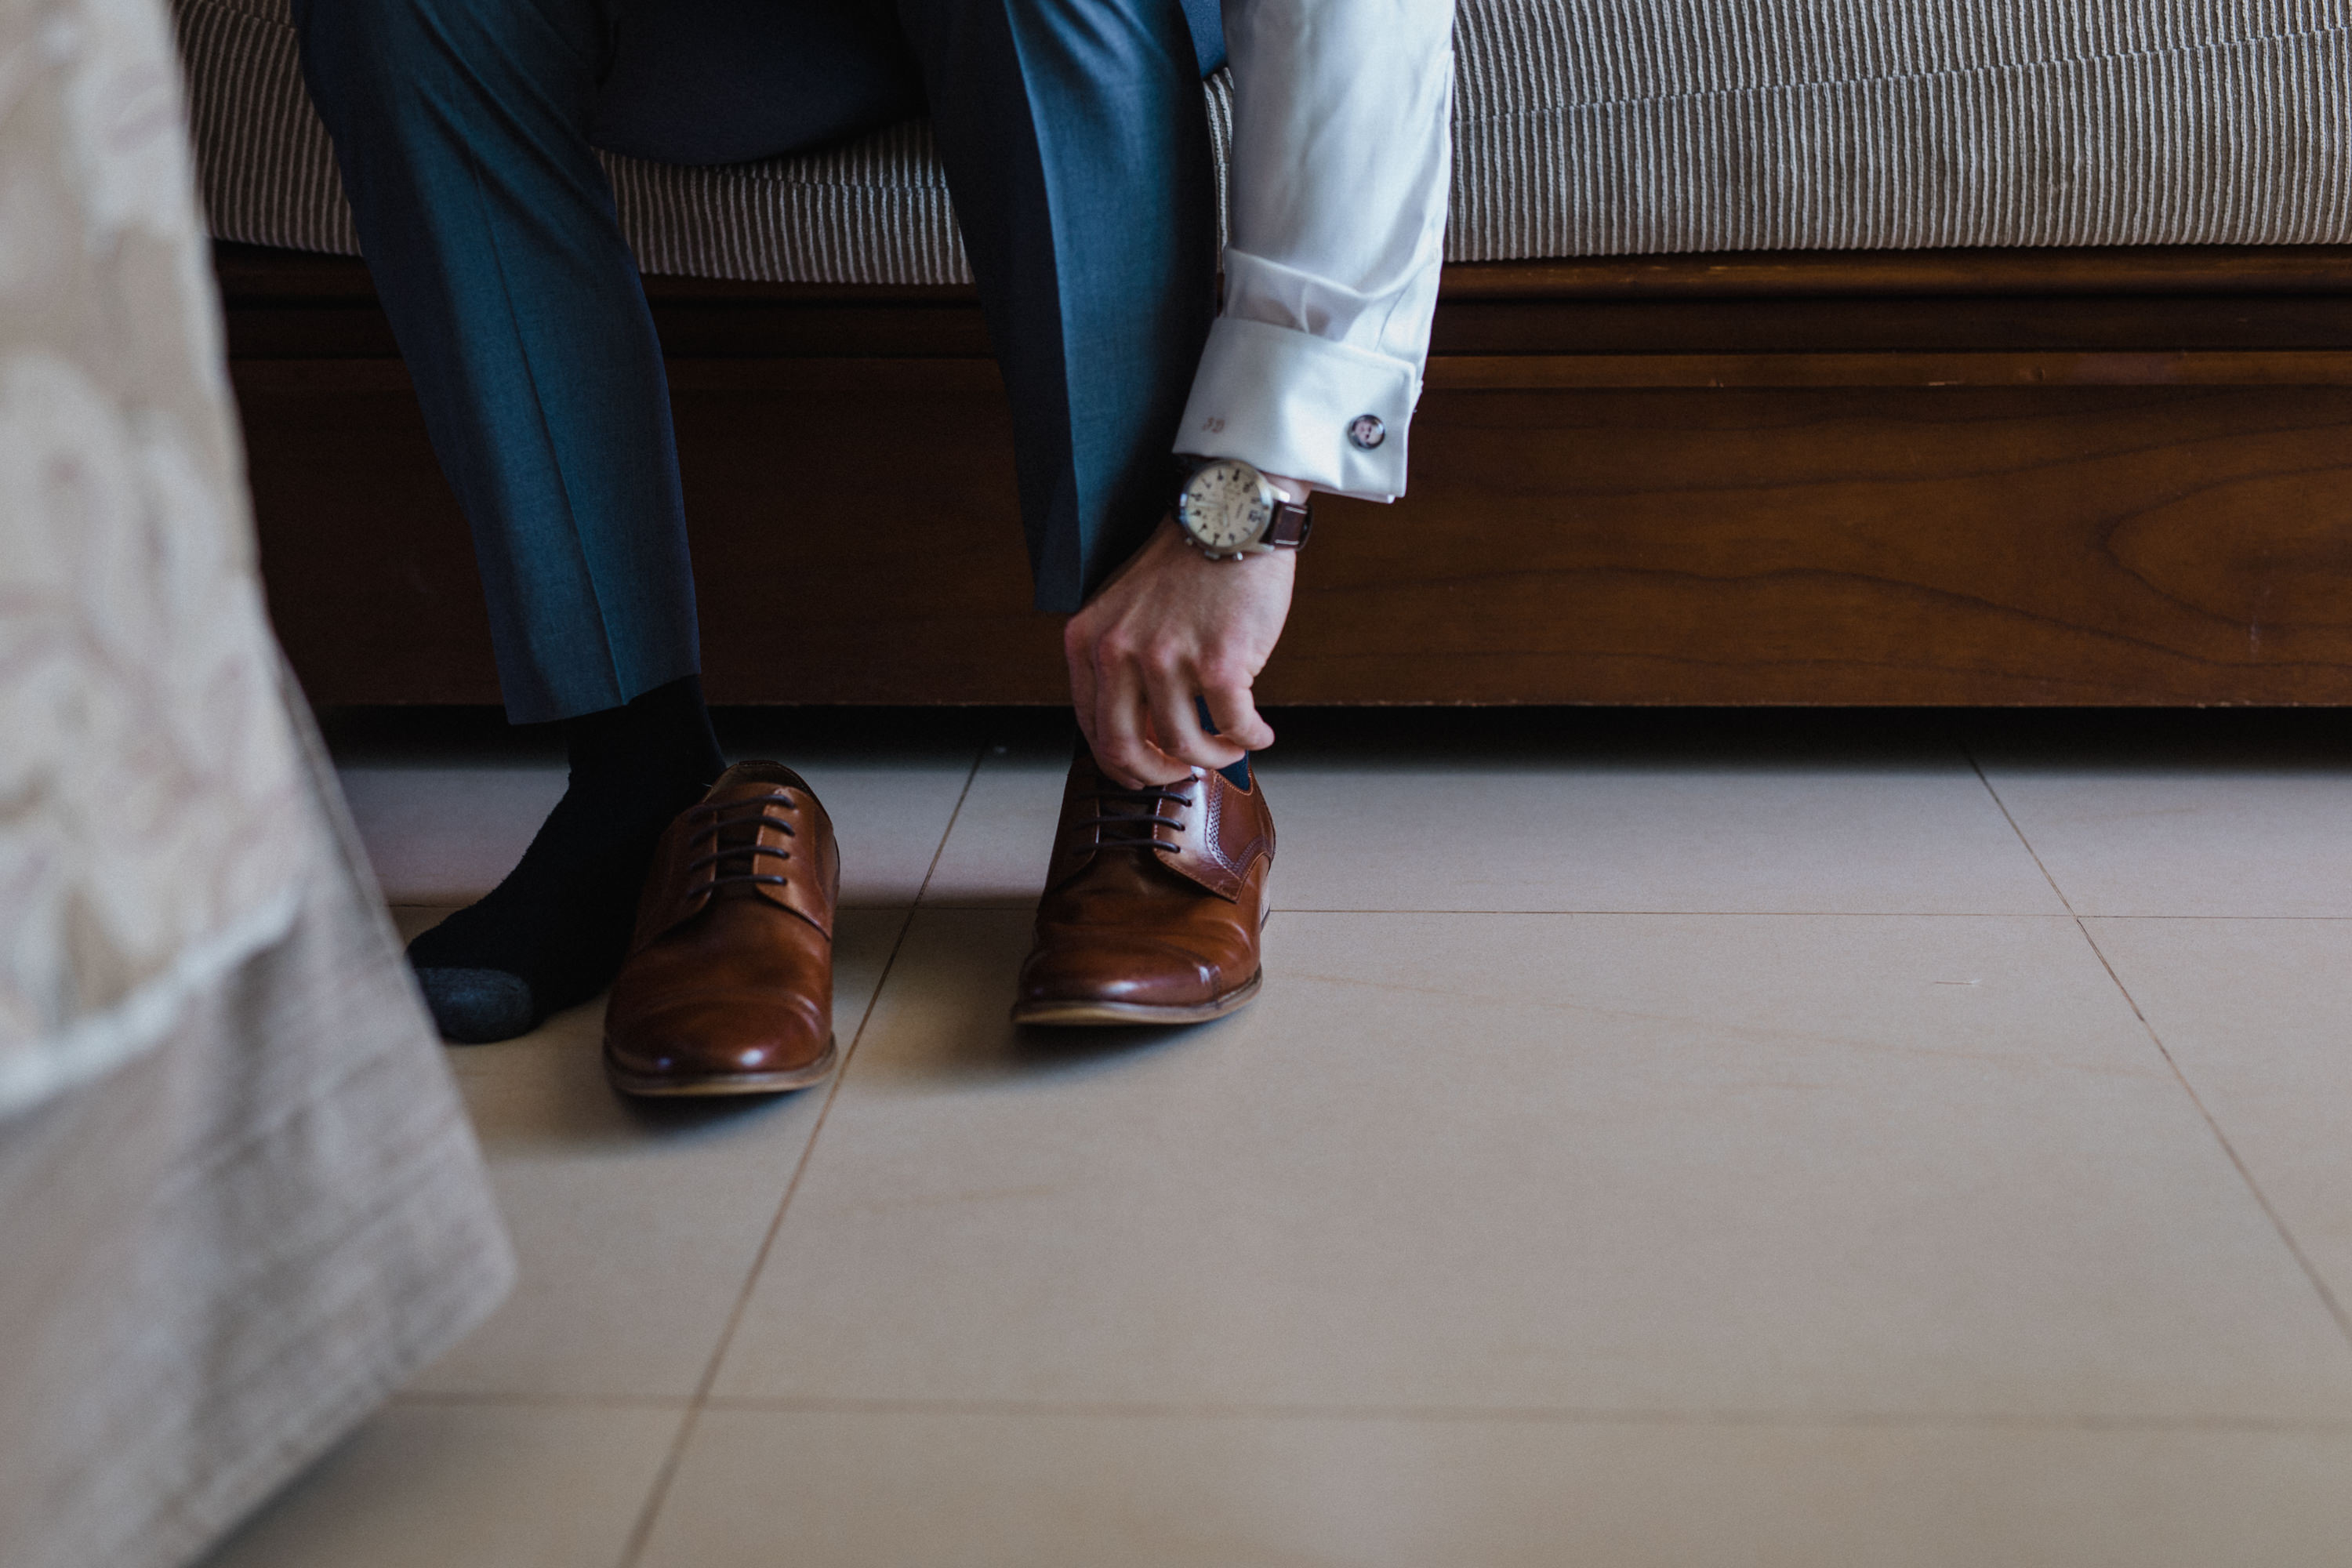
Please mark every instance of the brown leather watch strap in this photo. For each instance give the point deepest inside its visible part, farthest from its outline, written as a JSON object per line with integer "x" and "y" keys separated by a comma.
{"x": 1293, "y": 522}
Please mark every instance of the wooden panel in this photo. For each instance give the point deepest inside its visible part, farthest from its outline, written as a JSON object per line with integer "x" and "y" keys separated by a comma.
{"x": 250, "y": 273}
{"x": 978, "y": 378}
{"x": 897, "y": 574}
{"x": 1994, "y": 496}
{"x": 365, "y": 558}
{"x": 1955, "y": 325}
{"x": 284, "y": 304}
{"x": 2139, "y": 269}
{"x": 1531, "y": 373}
{"x": 1578, "y": 544}
{"x": 1895, "y": 546}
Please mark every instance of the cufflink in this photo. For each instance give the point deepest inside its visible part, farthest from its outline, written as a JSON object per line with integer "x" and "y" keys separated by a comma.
{"x": 1366, "y": 431}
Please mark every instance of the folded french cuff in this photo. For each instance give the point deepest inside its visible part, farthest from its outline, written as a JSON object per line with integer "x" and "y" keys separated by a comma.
{"x": 1304, "y": 407}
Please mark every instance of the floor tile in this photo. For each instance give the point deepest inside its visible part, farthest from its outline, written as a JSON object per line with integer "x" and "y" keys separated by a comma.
{"x": 443, "y": 829}
{"x": 1624, "y": 1162}
{"x": 870, "y": 1490}
{"x": 2217, "y": 815}
{"x": 2259, "y": 1015}
{"x": 425, "y": 1486}
{"x": 995, "y": 854}
{"x": 446, "y": 835}
{"x": 636, "y": 1223}
{"x": 1558, "y": 812}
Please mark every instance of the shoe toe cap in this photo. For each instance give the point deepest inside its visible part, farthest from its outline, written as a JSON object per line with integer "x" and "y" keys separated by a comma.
{"x": 718, "y": 1036}
{"x": 1102, "y": 967}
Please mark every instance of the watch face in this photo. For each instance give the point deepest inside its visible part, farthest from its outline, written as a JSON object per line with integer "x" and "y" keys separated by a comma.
{"x": 1227, "y": 506}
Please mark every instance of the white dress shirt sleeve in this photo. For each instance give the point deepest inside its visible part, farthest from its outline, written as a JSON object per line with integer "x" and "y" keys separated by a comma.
{"x": 1342, "y": 157}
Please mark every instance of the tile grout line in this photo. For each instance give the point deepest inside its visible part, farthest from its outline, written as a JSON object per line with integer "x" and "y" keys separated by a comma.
{"x": 2024, "y": 842}
{"x": 524, "y": 1400}
{"x": 641, "y": 1532}
{"x": 1539, "y": 1415}
{"x": 2327, "y": 1298}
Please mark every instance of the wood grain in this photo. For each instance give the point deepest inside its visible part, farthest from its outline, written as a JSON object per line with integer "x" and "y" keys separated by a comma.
{"x": 2131, "y": 496}
{"x": 1460, "y": 373}
{"x": 2148, "y": 270}
{"x": 250, "y": 273}
{"x": 1533, "y": 372}
{"x": 1957, "y": 545}
{"x": 366, "y": 561}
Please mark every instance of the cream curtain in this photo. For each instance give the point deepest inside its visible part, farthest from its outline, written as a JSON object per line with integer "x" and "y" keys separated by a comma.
{"x": 147, "y": 777}
{"x": 238, "y": 1198}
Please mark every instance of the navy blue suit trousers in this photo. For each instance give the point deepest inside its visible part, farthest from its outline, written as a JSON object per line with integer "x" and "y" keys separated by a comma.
{"x": 1078, "y": 156}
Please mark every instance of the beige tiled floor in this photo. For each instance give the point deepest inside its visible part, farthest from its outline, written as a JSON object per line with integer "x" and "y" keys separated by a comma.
{"x": 1680, "y": 1139}
{"x": 694, "y": 1189}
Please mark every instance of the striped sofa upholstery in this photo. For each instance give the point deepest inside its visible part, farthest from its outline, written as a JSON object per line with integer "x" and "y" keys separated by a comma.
{"x": 1581, "y": 128}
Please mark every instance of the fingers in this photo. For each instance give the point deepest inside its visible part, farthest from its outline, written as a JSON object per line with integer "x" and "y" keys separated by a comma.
{"x": 1175, "y": 719}
{"x": 1122, "y": 747}
{"x": 1169, "y": 633}
{"x": 1142, "y": 720}
{"x": 1235, "y": 711}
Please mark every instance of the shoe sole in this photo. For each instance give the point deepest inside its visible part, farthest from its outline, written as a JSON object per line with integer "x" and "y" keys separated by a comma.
{"x": 642, "y": 1086}
{"x": 1079, "y": 1014}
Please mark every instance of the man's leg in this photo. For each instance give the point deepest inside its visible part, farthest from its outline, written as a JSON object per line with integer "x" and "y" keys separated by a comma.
{"x": 1077, "y": 150}
{"x": 462, "y": 128}
{"x": 1077, "y": 144}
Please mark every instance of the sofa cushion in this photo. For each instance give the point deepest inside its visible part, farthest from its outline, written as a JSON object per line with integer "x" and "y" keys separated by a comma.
{"x": 1581, "y": 128}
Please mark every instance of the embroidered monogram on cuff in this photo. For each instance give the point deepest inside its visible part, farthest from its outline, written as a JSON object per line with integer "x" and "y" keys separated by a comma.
{"x": 1290, "y": 402}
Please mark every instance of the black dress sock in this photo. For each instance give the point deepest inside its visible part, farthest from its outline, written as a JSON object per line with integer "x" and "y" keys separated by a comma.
{"x": 554, "y": 932}
{"x": 1236, "y": 773}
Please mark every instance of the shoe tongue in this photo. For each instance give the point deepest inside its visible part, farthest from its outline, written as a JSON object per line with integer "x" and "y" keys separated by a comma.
{"x": 758, "y": 777}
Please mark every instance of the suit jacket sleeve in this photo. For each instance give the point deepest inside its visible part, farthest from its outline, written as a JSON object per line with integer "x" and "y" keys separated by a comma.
{"x": 1342, "y": 157}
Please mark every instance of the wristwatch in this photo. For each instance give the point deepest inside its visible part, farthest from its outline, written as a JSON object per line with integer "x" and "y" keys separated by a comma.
{"x": 1228, "y": 510}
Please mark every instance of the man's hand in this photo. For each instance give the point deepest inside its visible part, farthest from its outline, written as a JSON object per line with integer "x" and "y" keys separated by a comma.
{"x": 1173, "y": 625}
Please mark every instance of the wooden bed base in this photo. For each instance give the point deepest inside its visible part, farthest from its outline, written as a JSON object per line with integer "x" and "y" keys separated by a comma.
{"x": 1990, "y": 478}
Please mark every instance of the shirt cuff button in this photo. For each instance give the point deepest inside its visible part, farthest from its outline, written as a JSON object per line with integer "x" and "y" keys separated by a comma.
{"x": 1366, "y": 431}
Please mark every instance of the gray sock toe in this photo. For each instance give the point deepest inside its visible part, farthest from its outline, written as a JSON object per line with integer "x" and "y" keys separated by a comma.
{"x": 476, "y": 1007}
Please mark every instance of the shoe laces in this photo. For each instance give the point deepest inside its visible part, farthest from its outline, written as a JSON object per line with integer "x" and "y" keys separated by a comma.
{"x": 742, "y": 819}
{"x": 1146, "y": 817}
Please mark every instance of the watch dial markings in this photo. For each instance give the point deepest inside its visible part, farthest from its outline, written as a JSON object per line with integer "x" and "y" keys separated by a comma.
{"x": 1224, "y": 507}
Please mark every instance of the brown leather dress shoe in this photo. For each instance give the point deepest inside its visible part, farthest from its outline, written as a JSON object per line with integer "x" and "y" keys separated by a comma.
{"x": 729, "y": 984}
{"x": 1153, "y": 904}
